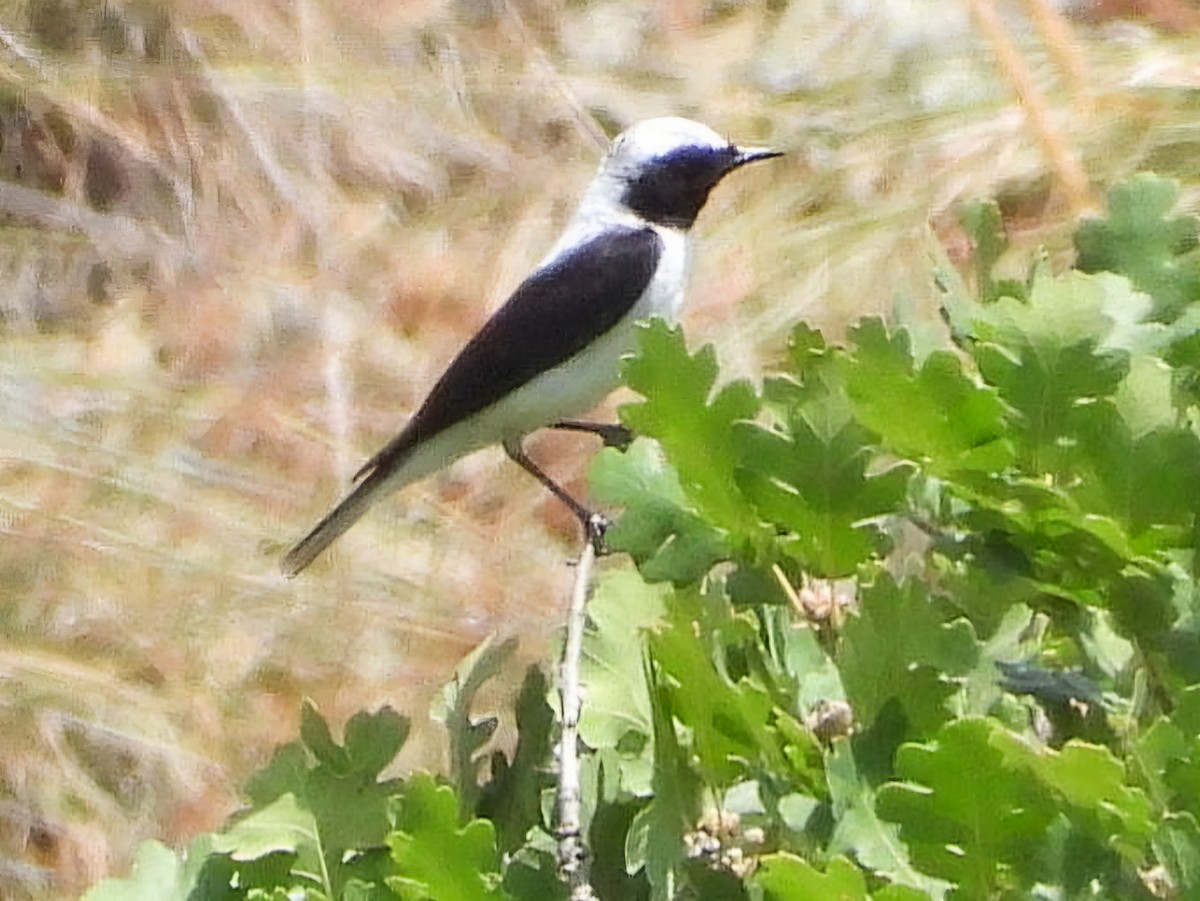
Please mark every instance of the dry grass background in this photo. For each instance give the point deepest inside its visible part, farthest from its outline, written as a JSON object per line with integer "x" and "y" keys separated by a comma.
{"x": 239, "y": 240}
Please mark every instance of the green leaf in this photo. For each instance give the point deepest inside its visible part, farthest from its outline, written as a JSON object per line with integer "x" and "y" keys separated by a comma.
{"x": 1176, "y": 757}
{"x": 617, "y": 714}
{"x": 511, "y": 799}
{"x": 287, "y": 772}
{"x": 935, "y": 415}
{"x": 1134, "y": 467}
{"x": 277, "y": 893}
{"x": 806, "y": 347}
{"x": 350, "y": 807}
{"x": 795, "y": 810}
{"x": 1089, "y": 779}
{"x": 1187, "y": 709}
{"x": 1183, "y": 778}
{"x": 813, "y": 470}
{"x": 659, "y": 528}
{"x": 1155, "y": 750}
{"x": 1145, "y": 398}
{"x": 691, "y": 419}
{"x": 654, "y": 842}
{"x": 220, "y": 878}
{"x": 315, "y": 734}
{"x": 1143, "y": 607}
{"x": 899, "y": 647}
{"x": 437, "y": 858}
{"x": 802, "y": 657}
{"x": 785, "y": 877}
{"x": 468, "y": 734}
{"x": 899, "y": 893}
{"x": 1069, "y": 345}
{"x": 728, "y": 719}
{"x": 984, "y": 224}
{"x": 1030, "y": 529}
{"x": 976, "y": 804}
{"x": 532, "y": 875}
{"x": 1142, "y": 240}
{"x": 1148, "y": 483}
{"x": 1101, "y": 311}
{"x": 157, "y": 874}
{"x": 358, "y": 890}
{"x": 813, "y": 483}
{"x": 1183, "y": 355}
{"x": 966, "y": 812}
{"x": 281, "y": 827}
{"x": 374, "y": 739}
{"x": 1177, "y": 847}
{"x": 875, "y": 844}
{"x": 337, "y": 789}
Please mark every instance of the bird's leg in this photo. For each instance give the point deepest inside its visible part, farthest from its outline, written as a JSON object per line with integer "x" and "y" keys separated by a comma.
{"x": 594, "y": 524}
{"x": 611, "y": 433}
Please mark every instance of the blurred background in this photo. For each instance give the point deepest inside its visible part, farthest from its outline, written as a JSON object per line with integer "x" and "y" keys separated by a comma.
{"x": 239, "y": 241}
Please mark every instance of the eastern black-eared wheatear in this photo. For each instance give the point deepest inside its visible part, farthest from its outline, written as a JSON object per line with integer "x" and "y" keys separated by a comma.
{"x": 553, "y": 349}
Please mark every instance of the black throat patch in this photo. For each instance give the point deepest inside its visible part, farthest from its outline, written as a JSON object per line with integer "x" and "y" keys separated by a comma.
{"x": 672, "y": 189}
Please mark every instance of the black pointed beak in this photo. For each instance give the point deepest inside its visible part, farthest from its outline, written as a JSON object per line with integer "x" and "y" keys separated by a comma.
{"x": 753, "y": 155}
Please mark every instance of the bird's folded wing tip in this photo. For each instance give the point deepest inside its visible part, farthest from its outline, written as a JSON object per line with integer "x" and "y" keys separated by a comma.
{"x": 292, "y": 564}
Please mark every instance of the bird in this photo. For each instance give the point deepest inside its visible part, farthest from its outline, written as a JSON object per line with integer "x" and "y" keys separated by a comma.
{"x": 553, "y": 349}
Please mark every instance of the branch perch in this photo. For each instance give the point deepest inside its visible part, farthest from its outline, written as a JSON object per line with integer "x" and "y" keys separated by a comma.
{"x": 573, "y": 857}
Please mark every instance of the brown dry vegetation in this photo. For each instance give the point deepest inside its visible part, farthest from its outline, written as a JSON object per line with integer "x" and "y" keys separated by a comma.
{"x": 240, "y": 239}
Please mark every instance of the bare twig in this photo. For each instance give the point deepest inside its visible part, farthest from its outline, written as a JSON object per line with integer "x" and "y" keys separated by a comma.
{"x": 114, "y": 236}
{"x": 554, "y": 82}
{"x": 1037, "y": 109}
{"x": 1060, "y": 42}
{"x": 258, "y": 143}
{"x": 9, "y": 42}
{"x": 572, "y": 851}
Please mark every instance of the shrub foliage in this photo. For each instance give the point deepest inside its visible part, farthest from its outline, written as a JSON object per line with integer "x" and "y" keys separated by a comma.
{"x": 918, "y": 618}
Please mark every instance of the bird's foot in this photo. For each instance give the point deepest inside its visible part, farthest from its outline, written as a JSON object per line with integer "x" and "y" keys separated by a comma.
{"x": 595, "y": 526}
{"x": 612, "y": 434}
{"x": 615, "y": 435}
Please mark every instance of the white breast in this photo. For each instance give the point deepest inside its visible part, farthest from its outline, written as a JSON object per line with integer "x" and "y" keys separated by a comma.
{"x": 664, "y": 297}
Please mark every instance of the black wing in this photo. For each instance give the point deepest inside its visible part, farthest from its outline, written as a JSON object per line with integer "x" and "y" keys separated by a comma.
{"x": 552, "y": 316}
